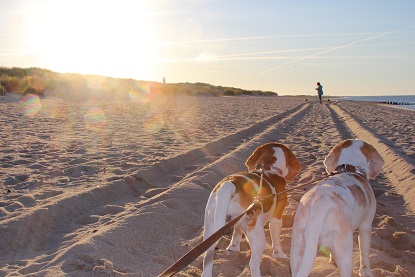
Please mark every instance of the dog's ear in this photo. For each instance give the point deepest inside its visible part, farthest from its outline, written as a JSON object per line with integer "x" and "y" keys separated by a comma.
{"x": 251, "y": 161}
{"x": 332, "y": 159}
{"x": 374, "y": 159}
{"x": 292, "y": 163}
{"x": 330, "y": 162}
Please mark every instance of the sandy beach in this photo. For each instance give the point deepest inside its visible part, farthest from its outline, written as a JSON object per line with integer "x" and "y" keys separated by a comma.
{"x": 98, "y": 188}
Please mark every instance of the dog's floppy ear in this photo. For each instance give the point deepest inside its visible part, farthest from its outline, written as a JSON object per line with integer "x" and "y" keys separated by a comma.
{"x": 251, "y": 161}
{"x": 374, "y": 159}
{"x": 292, "y": 163}
{"x": 332, "y": 159}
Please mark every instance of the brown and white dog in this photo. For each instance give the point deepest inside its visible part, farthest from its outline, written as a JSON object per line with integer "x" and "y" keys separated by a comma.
{"x": 232, "y": 196}
{"x": 328, "y": 213}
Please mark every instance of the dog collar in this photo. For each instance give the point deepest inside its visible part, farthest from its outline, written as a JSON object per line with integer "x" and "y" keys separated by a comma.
{"x": 348, "y": 168}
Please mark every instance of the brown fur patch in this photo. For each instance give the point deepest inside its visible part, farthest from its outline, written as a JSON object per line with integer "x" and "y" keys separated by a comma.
{"x": 373, "y": 158}
{"x": 279, "y": 184}
{"x": 339, "y": 184}
{"x": 338, "y": 198}
{"x": 245, "y": 185}
{"x": 358, "y": 194}
{"x": 367, "y": 151}
{"x": 367, "y": 188}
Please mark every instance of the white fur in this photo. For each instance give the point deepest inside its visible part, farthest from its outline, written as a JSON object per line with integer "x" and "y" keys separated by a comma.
{"x": 275, "y": 226}
{"x": 280, "y": 163}
{"x": 328, "y": 214}
{"x": 354, "y": 156}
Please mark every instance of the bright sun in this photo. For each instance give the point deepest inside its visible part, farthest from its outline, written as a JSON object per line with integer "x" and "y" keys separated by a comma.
{"x": 113, "y": 38}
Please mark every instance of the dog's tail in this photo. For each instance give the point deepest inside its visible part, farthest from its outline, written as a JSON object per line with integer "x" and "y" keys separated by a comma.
{"x": 225, "y": 193}
{"x": 307, "y": 227}
{"x": 215, "y": 218}
{"x": 217, "y": 208}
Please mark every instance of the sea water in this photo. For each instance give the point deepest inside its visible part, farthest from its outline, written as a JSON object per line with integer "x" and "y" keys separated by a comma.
{"x": 399, "y": 101}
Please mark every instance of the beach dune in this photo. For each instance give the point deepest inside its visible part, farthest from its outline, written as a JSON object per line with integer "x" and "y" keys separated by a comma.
{"x": 119, "y": 189}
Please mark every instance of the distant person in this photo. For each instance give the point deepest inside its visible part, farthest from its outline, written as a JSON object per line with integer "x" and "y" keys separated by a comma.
{"x": 319, "y": 89}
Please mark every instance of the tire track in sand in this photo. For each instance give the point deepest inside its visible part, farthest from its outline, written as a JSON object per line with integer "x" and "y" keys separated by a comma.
{"x": 399, "y": 171}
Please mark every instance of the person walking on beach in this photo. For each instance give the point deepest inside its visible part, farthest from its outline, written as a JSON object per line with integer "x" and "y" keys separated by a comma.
{"x": 319, "y": 89}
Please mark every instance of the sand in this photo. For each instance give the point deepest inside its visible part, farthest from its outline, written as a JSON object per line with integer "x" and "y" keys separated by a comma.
{"x": 119, "y": 188}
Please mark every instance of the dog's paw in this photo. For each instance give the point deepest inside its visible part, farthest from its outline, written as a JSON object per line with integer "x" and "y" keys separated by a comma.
{"x": 279, "y": 255}
{"x": 234, "y": 248}
{"x": 365, "y": 272}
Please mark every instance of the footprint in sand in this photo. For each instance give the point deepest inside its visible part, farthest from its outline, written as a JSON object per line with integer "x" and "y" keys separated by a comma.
{"x": 27, "y": 201}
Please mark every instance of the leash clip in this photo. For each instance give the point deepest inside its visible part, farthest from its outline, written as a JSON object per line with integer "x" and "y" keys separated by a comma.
{"x": 250, "y": 215}
{"x": 260, "y": 167}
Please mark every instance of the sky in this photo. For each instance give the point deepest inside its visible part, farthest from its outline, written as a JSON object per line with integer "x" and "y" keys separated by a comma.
{"x": 351, "y": 47}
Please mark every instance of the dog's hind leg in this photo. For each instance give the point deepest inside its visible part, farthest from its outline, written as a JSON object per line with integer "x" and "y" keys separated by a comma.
{"x": 365, "y": 231}
{"x": 342, "y": 251}
{"x": 235, "y": 244}
{"x": 275, "y": 226}
{"x": 257, "y": 241}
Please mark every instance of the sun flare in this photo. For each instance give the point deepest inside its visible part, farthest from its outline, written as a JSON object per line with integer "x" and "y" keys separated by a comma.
{"x": 96, "y": 37}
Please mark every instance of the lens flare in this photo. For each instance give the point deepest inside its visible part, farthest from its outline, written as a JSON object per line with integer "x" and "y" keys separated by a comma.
{"x": 140, "y": 93}
{"x": 31, "y": 105}
{"x": 153, "y": 122}
{"x": 95, "y": 118}
{"x": 250, "y": 189}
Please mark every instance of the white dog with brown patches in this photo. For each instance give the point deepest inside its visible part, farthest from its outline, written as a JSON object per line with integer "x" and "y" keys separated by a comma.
{"x": 328, "y": 213}
{"x": 235, "y": 193}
